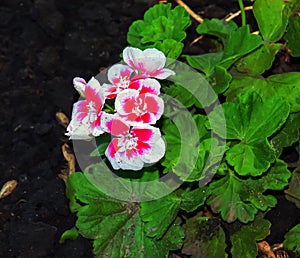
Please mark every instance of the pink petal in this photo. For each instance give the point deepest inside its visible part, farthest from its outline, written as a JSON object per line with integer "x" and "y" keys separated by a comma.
{"x": 118, "y": 71}
{"x": 109, "y": 90}
{"x": 132, "y": 57}
{"x": 113, "y": 148}
{"x": 149, "y": 63}
{"x": 143, "y": 134}
{"x": 143, "y": 147}
{"x": 92, "y": 95}
{"x": 154, "y": 104}
{"x": 149, "y": 86}
{"x": 125, "y": 101}
{"x": 113, "y": 124}
{"x": 80, "y": 110}
{"x": 162, "y": 73}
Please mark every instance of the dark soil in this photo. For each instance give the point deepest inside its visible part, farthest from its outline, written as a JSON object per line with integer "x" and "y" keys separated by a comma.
{"x": 44, "y": 45}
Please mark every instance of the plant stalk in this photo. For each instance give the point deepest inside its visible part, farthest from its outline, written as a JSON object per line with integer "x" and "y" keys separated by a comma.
{"x": 243, "y": 13}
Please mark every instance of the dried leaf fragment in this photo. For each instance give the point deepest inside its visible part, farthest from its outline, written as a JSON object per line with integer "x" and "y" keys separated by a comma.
{"x": 70, "y": 158}
{"x": 7, "y": 188}
{"x": 265, "y": 249}
{"x": 62, "y": 119}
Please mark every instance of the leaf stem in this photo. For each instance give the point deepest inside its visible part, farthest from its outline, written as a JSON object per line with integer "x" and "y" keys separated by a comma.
{"x": 292, "y": 195}
{"x": 243, "y": 13}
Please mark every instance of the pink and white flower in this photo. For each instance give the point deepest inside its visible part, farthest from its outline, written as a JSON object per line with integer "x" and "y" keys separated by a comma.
{"x": 120, "y": 78}
{"x": 86, "y": 114}
{"x": 80, "y": 84}
{"x": 132, "y": 147}
{"x": 147, "y": 63}
{"x": 139, "y": 108}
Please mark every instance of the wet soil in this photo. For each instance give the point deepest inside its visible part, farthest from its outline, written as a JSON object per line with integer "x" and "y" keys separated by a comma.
{"x": 44, "y": 45}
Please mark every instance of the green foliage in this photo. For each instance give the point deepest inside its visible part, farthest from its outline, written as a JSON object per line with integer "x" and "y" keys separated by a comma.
{"x": 244, "y": 240}
{"x": 273, "y": 27}
{"x": 260, "y": 60}
{"x": 238, "y": 198}
{"x": 162, "y": 28}
{"x": 262, "y": 117}
{"x": 204, "y": 238}
{"x": 217, "y": 28}
{"x": 292, "y": 35}
{"x": 292, "y": 239}
{"x": 293, "y": 192}
{"x": 250, "y": 120}
{"x": 114, "y": 224}
{"x": 288, "y": 134}
{"x": 286, "y": 86}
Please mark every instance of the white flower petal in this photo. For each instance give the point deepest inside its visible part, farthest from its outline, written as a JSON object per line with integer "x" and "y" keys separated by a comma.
{"x": 118, "y": 71}
{"x": 157, "y": 151}
{"x": 79, "y": 85}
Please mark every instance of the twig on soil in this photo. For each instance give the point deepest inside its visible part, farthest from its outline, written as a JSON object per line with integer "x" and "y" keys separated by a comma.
{"x": 197, "y": 17}
{"x": 196, "y": 40}
{"x": 287, "y": 192}
{"x": 231, "y": 16}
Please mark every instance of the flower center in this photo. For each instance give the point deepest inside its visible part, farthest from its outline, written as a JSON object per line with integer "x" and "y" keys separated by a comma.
{"x": 140, "y": 107}
{"x": 123, "y": 83}
{"x": 129, "y": 141}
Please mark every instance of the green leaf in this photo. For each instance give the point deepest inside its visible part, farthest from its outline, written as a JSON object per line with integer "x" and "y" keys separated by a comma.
{"x": 277, "y": 177}
{"x": 251, "y": 120}
{"x": 221, "y": 79}
{"x": 151, "y": 213}
{"x": 244, "y": 241}
{"x": 292, "y": 239}
{"x": 293, "y": 192}
{"x": 205, "y": 63}
{"x": 237, "y": 198}
{"x": 239, "y": 43}
{"x": 156, "y": 11}
{"x": 204, "y": 238}
{"x": 288, "y": 134}
{"x": 217, "y": 27}
{"x": 162, "y": 28}
{"x": 292, "y": 35}
{"x": 182, "y": 95}
{"x": 69, "y": 234}
{"x": 182, "y": 140}
{"x": 170, "y": 47}
{"x": 251, "y": 159}
{"x": 286, "y": 86}
{"x": 217, "y": 75}
{"x": 189, "y": 87}
{"x": 211, "y": 152}
{"x": 191, "y": 200}
{"x": 260, "y": 60}
{"x": 115, "y": 226}
{"x": 273, "y": 27}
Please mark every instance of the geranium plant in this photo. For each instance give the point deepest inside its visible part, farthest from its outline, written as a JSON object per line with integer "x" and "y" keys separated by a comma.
{"x": 189, "y": 148}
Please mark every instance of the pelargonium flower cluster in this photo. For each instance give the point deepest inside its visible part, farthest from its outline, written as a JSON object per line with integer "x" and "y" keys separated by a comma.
{"x": 135, "y": 90}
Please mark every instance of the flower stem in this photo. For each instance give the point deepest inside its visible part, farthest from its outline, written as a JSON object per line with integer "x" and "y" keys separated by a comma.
{"x": 109, "y": 107}
{"x": 243, "y": 13}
